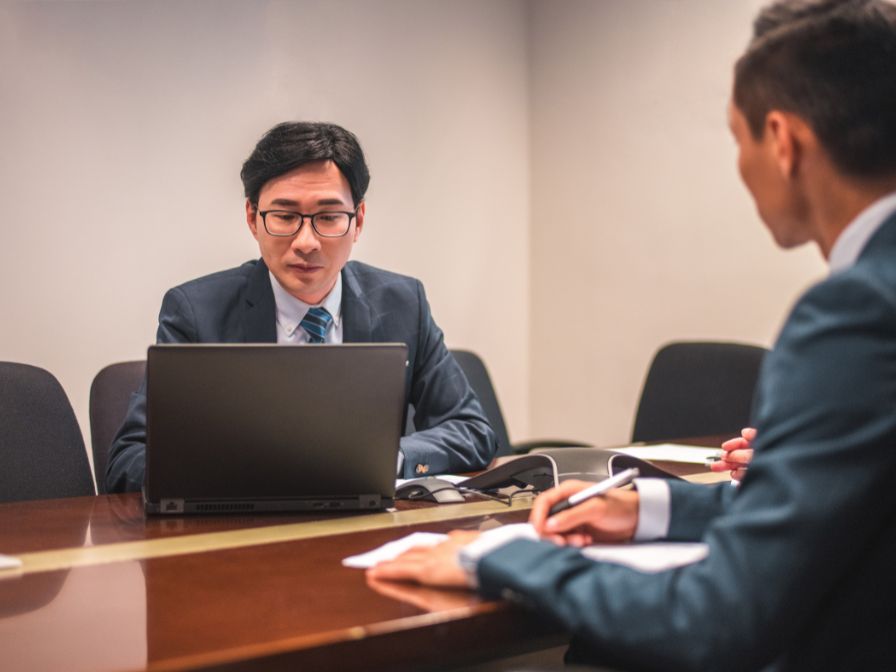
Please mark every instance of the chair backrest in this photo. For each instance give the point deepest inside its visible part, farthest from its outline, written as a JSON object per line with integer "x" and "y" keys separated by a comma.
{"x": 476, "y": 373}
{"x": 42, "y": 452}
{"x": 110, "y": 394}
{"x": 698, "y": 389}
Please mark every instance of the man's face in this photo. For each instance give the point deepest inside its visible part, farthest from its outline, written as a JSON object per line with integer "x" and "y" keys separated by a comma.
{"x": 766, "y": 168}
{"x": 306, "y": 264}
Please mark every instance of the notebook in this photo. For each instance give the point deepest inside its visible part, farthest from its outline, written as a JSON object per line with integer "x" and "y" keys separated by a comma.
{"x": 263, "y": 427}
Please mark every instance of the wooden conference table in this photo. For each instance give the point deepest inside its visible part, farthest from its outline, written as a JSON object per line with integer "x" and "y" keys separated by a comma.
{"x": 104, "y": 588}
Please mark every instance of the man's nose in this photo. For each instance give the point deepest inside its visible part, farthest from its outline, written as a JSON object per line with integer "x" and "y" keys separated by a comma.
{"x": 306, "y": 239}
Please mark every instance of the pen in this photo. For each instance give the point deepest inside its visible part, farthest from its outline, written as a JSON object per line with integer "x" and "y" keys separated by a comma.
{"x": 620, "y": 479}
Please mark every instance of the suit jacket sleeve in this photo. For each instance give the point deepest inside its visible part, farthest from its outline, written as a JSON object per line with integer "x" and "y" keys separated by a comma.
{"x": 127, "y": 455}
{"x": 452, "y": 434}
{"x": 794, "y": 554}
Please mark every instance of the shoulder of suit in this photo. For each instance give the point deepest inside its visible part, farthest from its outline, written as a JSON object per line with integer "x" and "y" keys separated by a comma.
{"x": 230, "y": 278}
{"x": 368, "y": 275}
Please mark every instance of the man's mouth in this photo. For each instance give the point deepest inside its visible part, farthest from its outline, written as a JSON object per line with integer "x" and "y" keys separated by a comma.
{"x": 303, "y": 267}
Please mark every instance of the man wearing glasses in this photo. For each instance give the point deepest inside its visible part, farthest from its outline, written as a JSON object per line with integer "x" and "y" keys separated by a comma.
{"x": 304, "y": 185}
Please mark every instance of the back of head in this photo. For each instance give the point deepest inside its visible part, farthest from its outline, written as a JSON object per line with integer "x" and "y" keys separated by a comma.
{"x": 831, "y": 62}
{"x": 294, "y": 143}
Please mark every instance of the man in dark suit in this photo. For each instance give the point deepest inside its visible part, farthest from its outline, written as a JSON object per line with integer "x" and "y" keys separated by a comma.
{"x": 799, "y": 574}
{"x": 305, "y": 186}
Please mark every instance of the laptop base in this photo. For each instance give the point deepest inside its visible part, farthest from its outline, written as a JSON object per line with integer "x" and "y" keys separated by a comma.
{"x": 177, "y": 507}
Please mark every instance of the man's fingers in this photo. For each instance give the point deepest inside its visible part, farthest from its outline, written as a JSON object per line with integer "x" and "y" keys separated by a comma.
{"x": 736, "y": 443}
{"x": 586, "y": 513}
{"x": 738, "y": 458}
{"x": 543, "y": 503}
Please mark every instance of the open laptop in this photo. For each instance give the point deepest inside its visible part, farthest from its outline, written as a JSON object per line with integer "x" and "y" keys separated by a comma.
{"x": 263, "y": 427}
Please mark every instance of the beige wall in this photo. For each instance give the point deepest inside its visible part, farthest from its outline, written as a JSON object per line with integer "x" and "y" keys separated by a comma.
{"x": 124, "y": 125}
{"x": 641, "y": 231}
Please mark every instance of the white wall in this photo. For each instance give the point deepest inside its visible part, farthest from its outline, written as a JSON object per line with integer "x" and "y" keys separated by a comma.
{"x": 124, "y": 126}
{"x": 641, "y": 231}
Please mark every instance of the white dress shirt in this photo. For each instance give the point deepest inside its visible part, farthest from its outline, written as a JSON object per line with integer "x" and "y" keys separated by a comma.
{"x": 291, "y": 310}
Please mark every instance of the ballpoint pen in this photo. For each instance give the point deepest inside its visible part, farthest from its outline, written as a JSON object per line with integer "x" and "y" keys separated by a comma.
{"x": 620, "y": 479}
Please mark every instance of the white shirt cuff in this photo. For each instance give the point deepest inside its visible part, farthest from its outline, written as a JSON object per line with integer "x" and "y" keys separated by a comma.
{"x": 468, "y": 556}
{"x": 654, "y": 509}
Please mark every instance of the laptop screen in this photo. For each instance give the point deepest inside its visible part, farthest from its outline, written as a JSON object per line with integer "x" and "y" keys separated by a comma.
{"x": 273, "y": 427}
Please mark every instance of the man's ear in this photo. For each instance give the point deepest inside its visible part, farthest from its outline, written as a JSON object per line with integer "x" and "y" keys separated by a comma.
{"x": 251, "y": 218}
{"x": 359, "y": 220}
{"x": 789, "y": 136}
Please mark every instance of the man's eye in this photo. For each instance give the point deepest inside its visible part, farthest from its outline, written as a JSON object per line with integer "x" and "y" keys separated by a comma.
{"x": 328, "y": 218}
{"x": 283, "y": 216}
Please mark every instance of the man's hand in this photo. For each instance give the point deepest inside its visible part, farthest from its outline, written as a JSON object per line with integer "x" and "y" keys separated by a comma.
{"x": 430, "y": 565}
{"x": 737, "y": 454}
{"x": 609, "y": 518}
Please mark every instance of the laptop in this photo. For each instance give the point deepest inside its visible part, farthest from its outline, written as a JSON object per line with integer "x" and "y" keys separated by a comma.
{"x": 263, "y": 427}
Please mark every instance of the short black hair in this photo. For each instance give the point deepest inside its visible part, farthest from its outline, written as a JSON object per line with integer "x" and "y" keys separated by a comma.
{"x": 294, "y": 143}
{"x": 833, "y": 63}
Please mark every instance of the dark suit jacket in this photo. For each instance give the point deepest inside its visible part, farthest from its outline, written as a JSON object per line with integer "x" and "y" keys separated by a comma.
{"x": 237, "y": 306}
{"x": 800, "y": 572}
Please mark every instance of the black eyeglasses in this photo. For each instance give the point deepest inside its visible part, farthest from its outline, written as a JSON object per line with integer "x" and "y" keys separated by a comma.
{"x": 327, "y": 224}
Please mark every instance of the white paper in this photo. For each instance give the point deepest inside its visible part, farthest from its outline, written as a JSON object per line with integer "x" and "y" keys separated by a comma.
{"x": 9, "y": 566}
{"x": 393, "y": 549}
{"x": 650, "y": 557}
{"x": 671, "y": 452}
{"x": 451, "y": 478}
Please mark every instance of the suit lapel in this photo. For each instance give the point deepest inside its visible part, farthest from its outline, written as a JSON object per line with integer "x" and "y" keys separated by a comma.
{"x": 260, "y": 313}
{"x": 357, "y": 325}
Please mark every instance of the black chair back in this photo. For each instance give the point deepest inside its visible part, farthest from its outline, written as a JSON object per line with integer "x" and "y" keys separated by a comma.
{"x": 476, "y": 373}
{"x": 698, "y": 389}
{"x": 42, "y": 453}
{"x": 110, "y": 394}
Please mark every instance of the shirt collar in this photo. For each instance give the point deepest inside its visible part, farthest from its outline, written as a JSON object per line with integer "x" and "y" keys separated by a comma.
{"x": 291, "y": 310}
{"x": 855, "y": 236}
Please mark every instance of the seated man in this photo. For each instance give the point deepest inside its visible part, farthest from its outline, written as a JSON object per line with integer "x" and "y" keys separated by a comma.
{"x": 304, "y": 185}
{"x": 801, "y": 555}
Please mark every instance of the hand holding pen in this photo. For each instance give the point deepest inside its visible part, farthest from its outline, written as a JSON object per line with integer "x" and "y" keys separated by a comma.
{"x": 608, "y": 517}
{"x": 735, "y": 454}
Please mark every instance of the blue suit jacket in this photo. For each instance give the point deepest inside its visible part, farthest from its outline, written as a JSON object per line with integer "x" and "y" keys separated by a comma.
{"x": 237, "y": 306}
{"x": 800, "y": 572}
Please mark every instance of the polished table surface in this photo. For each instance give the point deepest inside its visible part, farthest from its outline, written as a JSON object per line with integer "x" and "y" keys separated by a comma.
{"x": 105, "y": 588}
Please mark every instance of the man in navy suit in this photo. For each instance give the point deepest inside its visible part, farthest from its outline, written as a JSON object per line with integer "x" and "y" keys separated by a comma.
{"x": 799, "y": 574}
{"x": 304, "y": 185}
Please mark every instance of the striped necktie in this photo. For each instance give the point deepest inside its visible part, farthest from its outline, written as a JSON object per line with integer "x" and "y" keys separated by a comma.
{"x": 315, "y": 323}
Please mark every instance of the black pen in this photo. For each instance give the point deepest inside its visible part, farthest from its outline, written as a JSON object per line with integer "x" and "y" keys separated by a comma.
{"x": 602, "y": 488}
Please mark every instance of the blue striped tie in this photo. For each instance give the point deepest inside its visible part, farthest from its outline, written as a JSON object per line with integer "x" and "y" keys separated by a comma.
{"x": 315, "y": 323}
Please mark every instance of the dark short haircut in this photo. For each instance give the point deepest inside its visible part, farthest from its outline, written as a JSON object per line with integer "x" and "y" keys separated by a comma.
{"x": 295, "y": 143}
{"x": 833, "y": 63}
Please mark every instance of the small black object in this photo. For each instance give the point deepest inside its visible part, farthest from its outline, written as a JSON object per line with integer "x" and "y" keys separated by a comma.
{"x": 537, "y": 471}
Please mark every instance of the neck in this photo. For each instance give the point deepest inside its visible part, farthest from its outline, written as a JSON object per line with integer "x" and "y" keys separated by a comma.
{"x": 838, "y": 201}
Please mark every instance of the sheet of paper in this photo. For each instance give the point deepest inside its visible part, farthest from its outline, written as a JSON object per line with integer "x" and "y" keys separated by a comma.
{"x": 9, "y": 566}
{"x": 671, "y": 452}
{"x": 393, "y": 549}
{"x": 649, "y": 557}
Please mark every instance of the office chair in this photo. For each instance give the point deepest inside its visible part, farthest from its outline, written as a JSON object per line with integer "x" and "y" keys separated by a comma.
{"x": 698, "y": 388}
{"x": 42, "y": 453}
{"x": 110, "y": 394}
{"x": 477, "y": 375}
